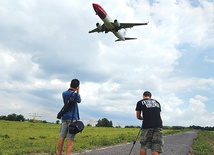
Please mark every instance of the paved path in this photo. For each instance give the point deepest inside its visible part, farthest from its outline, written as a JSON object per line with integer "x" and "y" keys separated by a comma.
{"x": 177, "y": 144}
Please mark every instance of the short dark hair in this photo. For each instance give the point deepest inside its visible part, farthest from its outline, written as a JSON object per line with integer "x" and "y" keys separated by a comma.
{"x": 147, "y": 94}
{"x": 74, "y": 83}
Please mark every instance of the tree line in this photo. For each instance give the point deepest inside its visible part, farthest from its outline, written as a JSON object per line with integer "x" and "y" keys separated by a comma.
{"x": 13, "y": 117}
{"x": 202, "y": 128}
{"x": 20, "y": 118}
{"x": 104, "y": 122}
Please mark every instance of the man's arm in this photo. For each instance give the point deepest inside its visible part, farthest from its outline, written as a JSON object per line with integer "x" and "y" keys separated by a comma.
{"x": 78, "y": 98}
{"x": 138, "y": 115}
{"x": 78, "y": 95}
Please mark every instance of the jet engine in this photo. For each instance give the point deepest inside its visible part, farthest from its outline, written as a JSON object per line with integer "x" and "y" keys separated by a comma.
{"x": 99, "y": 26}
{"x": 116, "y": 23}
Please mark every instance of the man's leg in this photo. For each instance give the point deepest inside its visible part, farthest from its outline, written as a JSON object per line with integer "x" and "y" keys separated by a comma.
{"x": 143, "y": 152}
{"x": 60, "y": 145}
{"x": 69, "y": 147}
{"x": 145, "y": 140}
{"x": 155, "y": 153}
{"x": 157, "y": 146}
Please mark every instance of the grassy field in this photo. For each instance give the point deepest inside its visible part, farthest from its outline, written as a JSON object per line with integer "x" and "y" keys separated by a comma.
{"x": 204, "y": 143}
{"x": 18, "y": 138}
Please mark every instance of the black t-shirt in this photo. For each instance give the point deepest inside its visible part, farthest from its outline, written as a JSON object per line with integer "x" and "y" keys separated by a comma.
{"x": 151, "y": 113}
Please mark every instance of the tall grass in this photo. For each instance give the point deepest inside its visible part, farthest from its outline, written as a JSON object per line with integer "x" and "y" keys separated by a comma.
{"x": 204, "y": 143}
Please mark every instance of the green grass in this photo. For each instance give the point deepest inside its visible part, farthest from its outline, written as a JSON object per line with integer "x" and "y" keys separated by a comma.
{"x": 25, "y": 137}
{"x": 18, "y": 138}
{"x": 204, "y": 143}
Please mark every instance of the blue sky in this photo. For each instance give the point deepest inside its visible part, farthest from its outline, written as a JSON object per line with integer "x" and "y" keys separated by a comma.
{"x": 45, "y": 44}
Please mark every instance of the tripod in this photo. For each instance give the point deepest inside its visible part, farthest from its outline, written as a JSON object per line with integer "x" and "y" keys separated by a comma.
{"x": 135, "y": 140}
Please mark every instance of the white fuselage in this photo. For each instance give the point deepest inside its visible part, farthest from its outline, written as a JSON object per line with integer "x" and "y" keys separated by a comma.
{"x": 107, "y": 21}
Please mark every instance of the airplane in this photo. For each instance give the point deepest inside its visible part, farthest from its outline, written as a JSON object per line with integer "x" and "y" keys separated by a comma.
{"x": 113, "y": 26}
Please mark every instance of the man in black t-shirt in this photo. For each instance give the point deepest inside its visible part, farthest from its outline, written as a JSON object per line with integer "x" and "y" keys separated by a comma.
{"x": 148, "y": 110}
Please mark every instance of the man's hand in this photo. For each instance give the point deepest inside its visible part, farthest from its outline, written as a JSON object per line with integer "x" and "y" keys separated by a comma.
{"x": 138, "y": 115}
{"x": 77, "y": 89}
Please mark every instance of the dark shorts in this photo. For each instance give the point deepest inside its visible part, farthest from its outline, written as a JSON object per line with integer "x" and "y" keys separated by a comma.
{"x": 64, "y": 130}
{"x": 152, "y": 139}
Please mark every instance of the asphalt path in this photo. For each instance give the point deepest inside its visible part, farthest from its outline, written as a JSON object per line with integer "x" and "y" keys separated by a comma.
{"x": 177, "y": 144}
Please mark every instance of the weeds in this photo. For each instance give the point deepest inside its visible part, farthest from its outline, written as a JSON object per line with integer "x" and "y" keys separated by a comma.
{"x": 204, "y": 143}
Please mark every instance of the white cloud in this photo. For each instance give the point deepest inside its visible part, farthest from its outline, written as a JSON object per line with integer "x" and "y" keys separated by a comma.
{"x": 197, "y": 113}
{"x": 170, "y": 108}
{"x": 208, "y": 60}
{"x": 16, "y": 66}
{"x": 45, "y": 44}
{"x": 189, "y": 84}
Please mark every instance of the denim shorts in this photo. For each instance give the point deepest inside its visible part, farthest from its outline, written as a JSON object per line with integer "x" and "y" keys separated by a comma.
{"x": 152, "y": 138}
{"x": 64, "y": 130}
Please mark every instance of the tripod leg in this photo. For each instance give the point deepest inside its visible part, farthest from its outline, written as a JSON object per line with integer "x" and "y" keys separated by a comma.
{"x": 135, "y": 141}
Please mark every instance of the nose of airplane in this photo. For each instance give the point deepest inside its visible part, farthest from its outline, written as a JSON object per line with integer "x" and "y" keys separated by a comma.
{"x": 99, "y": 10}
{"x": 93, "y": 4}
{"x": 95, "y": 7}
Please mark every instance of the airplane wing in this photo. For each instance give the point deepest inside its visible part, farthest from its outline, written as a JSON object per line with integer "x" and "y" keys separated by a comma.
{"x": 99, "y": 29}
{"x": 103, "y": 28}
{"x": 94, "y": 30}
{"x": 130, "y": 25}
{"x": 126, "y": 39}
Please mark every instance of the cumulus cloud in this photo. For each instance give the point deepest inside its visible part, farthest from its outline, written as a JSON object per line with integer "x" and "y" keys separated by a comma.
{"x": 46, "y": 44}
{"x": 197, "y": 112}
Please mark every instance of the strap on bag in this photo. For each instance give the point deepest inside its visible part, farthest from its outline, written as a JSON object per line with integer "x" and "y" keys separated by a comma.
{"x": 65, "y": 108}
{"x": 77, "y": 126}
{"x": 75, "y": 102}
